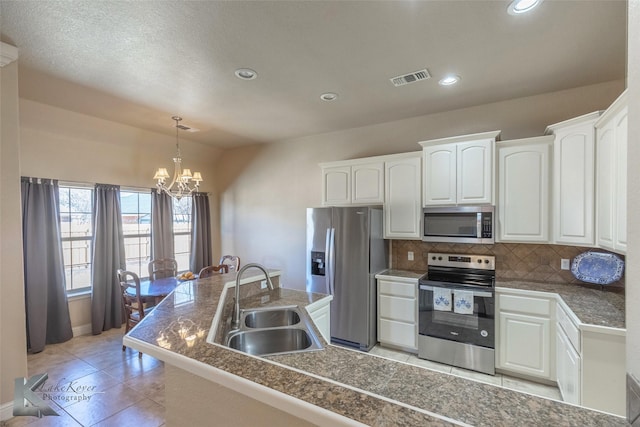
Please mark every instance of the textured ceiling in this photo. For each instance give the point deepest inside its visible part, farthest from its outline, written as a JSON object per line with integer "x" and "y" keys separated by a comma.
{"x": 141, "y": 62}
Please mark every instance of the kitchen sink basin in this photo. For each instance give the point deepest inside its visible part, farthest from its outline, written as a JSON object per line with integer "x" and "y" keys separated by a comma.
{"x": 270, "y": 341}
{"x": 270, "y": 318}
{"x": 273, "y": 330}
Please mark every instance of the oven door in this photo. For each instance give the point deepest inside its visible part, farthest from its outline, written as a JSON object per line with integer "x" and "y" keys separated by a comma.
{"x": 475, "y": 325}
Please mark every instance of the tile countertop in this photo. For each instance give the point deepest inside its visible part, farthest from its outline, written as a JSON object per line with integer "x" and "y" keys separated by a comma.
{"x": 592, "y": 305}
{"x": 361, "y": 387}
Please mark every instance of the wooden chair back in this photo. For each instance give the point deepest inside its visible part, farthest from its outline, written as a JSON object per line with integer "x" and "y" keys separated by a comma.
{"x": 232, "y": 261}
{"x": 213, "y": 269}
{"x": 162, "y": 267}
{"x": 131, "y": 299}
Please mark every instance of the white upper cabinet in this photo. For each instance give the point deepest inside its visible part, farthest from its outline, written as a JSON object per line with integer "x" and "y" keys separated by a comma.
{"x": 523, "y": 189}
{"x": 352, "y": 183}
{"x": 611, "y": 177}
{"x": 440, "y": 175}
{"x": 336, "y": 185}
{"x": 367, "y": 183}
{"x": 459, "y": 170}
{"x": 402, "y": 204}
{"x": 574, "y": 180}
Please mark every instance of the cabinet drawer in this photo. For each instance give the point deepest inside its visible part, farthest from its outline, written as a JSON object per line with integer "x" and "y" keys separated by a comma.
{"x": 397, "y": 308}
{"x": 525, "y": 304}
{"x": 397, "y": 289}
{"x": 569, "y": 328}
{"x": 397, "y": 333}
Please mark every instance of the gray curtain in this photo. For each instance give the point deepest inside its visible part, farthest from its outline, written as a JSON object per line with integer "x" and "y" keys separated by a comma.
{"x": 161, "y": 225}
{"x": 108, "y": 256}
{"x": 47, "y": 310}
{"x": 200, "y": 232}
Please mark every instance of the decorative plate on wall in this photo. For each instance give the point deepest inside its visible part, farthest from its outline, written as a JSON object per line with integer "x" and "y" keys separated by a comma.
{"x": 597, "y": 267}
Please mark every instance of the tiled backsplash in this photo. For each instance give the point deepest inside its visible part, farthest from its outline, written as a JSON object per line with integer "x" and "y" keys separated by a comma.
{"x": 514, "y": 261}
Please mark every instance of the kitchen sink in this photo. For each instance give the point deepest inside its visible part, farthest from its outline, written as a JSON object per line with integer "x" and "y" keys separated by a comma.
{"x": 273, "y": 330}
{"x": 269, "y": 318}
{"x": 271, "y": 341}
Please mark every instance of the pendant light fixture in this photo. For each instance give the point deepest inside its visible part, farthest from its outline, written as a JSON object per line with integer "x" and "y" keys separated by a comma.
{"x": 185, "y": 182}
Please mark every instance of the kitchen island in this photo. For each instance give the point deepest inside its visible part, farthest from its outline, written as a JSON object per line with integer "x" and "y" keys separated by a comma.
{"x": 334, "y": 386}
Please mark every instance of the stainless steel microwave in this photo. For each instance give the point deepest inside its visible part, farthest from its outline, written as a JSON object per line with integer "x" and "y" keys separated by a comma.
{"x": 459, "y": 224}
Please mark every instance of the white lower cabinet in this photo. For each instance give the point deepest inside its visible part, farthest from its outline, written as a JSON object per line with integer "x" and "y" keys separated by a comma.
{"x": 398, "y": 313}
{"x": 538, "y": 336}
{"x": 525, "y": 332}
{"x": 568, "y": 359}
{"x": 320, "y": 312}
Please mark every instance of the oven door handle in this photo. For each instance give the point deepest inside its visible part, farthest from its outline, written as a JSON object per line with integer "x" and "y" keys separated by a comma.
{"x": 475, "y": 293}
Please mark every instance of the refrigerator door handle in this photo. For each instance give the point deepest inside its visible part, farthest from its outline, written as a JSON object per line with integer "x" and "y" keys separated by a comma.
{"x": 331, "y": 255}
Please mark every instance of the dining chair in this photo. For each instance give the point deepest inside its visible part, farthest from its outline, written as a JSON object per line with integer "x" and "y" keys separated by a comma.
{"x": 162, "y": 267}
{"x": 232, "y": 261}
{"x": 212, "y": 270}
{"x": 133, "y": 304}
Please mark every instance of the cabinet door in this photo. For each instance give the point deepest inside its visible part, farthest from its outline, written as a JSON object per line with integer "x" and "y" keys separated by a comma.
{"x": 402, "y": 206}
{"x": 474, "y": 172}
{"x": 620, "y": 243}
{"x": 367, "y": 183}
{"x": 336, "y": 186}
{"x": 568, "y": 365}
{"x": 523, "y": 207}
{"x": 605, "y": 169}
{"x": 525, "y": 344}
{"x": 322, "y": 319}
{"x": 440, "y": 175}
{"x": 574, "y": 177}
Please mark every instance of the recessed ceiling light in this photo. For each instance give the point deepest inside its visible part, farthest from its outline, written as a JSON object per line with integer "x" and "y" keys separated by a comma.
{"x": 246, "y": 74}
{"x": 329, "y": 96}
{"x": 517, "y": 7}
{"x": 449, "y": 80}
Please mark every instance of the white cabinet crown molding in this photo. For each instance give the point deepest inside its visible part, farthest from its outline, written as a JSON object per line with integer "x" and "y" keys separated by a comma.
{"x": 575, "y": 121}
{"x": 462, "y": 138}
{"x": 8, "y": 54}
{"x": 618, "y": 105}
{"x": 364, "y": 160}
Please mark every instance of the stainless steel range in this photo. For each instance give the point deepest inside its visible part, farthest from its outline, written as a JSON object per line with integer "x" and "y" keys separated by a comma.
{"x": 456, "y": 315}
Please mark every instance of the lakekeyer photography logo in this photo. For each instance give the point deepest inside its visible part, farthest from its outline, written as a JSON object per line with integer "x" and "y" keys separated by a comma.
{"x": 31, "y": 396}
{"x": 26, "y": 401}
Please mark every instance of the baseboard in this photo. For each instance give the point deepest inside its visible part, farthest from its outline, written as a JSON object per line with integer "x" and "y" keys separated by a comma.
{"x": 6, "y": 411}
{"x": 82, "y": 330}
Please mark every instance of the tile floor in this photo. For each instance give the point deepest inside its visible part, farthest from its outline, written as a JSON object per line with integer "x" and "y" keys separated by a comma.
{"x": 505, "y": 381}
{"x": 129, "y": 391}
{"x": 122, "y": 389}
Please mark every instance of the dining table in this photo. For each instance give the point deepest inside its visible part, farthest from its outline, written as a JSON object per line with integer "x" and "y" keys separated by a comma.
{"x": 156, "y": 290}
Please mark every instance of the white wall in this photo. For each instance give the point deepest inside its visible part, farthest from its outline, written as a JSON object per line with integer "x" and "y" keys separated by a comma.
{"x": 68, "y": 146}
{"x": 13, "y": 342}
{"x": 633, "y": 192}
{"x": 264, "y": 190}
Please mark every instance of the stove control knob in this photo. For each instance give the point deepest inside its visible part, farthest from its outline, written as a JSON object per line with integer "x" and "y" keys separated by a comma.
{"x": 486, "y": 261}
{"x": 439, "y": 258}
{"x": 433, "y": 258}
{"x": 479, "y": 261}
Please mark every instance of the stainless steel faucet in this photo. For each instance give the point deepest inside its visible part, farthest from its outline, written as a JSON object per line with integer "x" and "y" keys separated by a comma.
{"x": 235, "y": 323}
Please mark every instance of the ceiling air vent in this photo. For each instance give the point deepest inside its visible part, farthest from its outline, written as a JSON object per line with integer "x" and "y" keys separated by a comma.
{"x": 405, "y": 79}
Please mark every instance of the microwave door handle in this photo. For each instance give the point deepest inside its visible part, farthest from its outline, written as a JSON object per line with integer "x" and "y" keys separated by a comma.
{"x": 479, "y": 225}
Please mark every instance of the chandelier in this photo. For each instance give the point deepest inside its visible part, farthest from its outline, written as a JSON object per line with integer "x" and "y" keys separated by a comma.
{"x": 182, "y": 178}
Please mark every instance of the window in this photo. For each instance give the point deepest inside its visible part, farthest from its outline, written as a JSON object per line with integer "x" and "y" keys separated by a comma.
{"x": 76, "y": 229}
{"x": 136, "y": 227}
{"x": 182, "y": 232}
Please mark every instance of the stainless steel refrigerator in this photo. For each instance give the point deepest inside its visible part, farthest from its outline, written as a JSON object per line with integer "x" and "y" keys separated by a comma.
{"x": 345, "y": 250}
